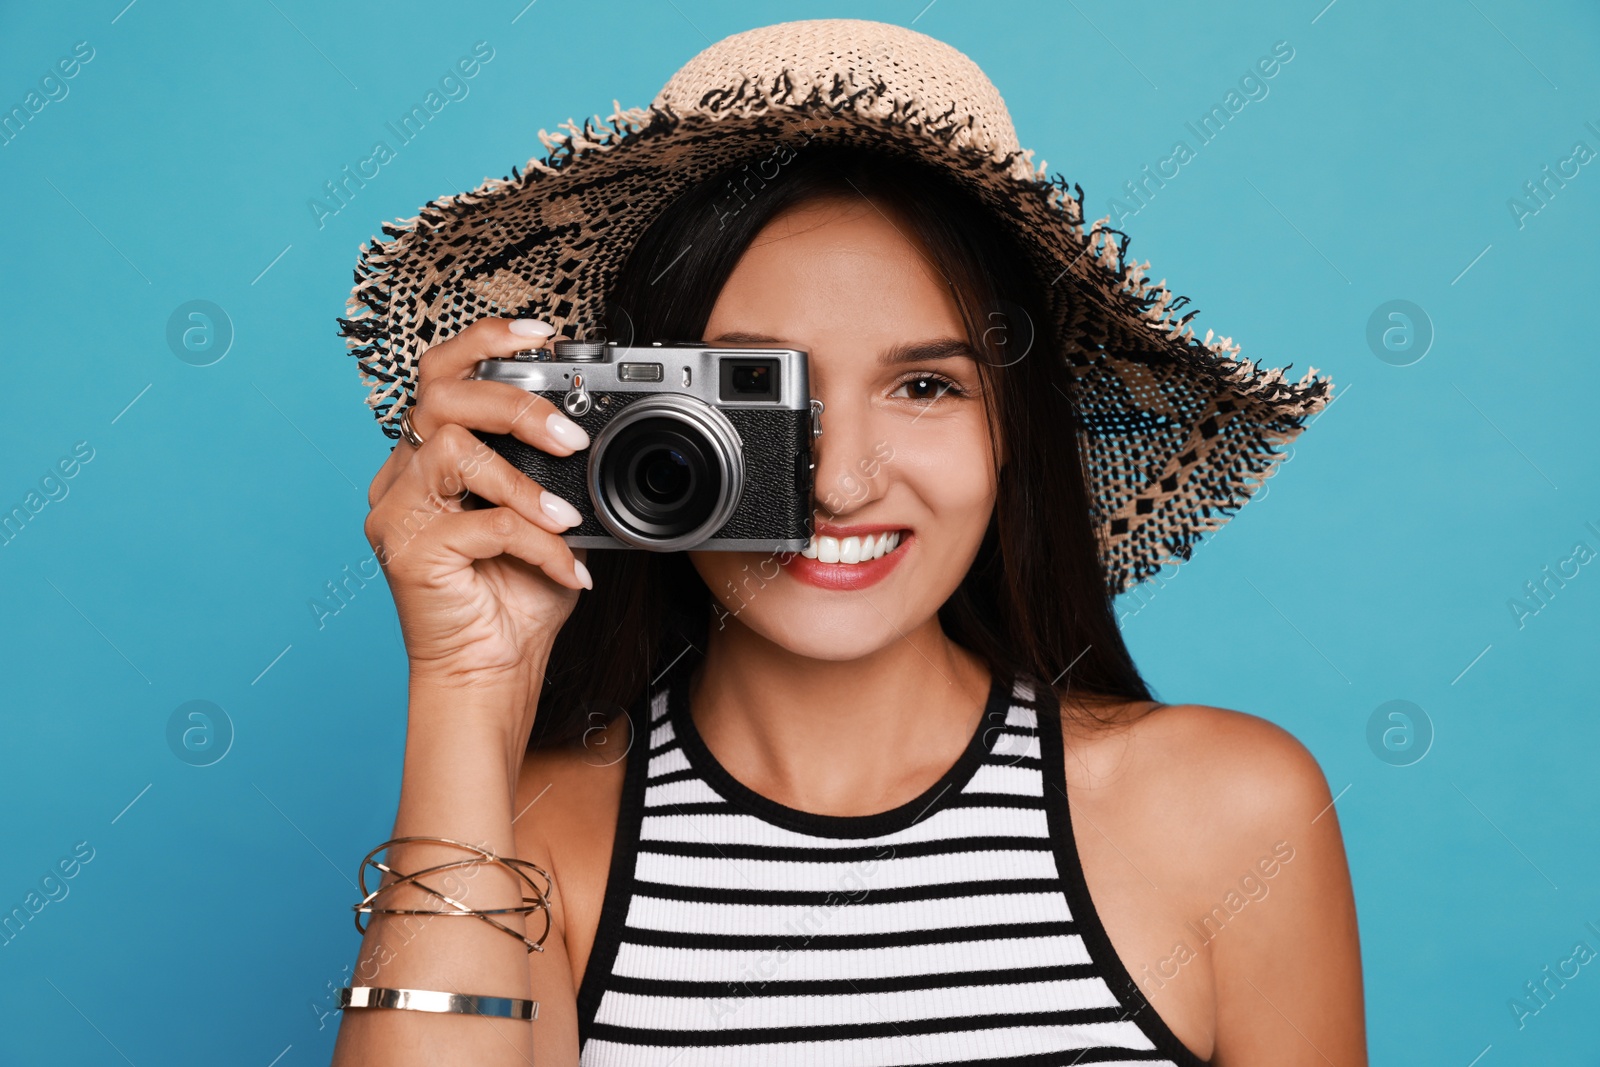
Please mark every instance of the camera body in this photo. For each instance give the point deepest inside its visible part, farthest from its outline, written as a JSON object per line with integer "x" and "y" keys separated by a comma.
{"x": 691, "y": 446}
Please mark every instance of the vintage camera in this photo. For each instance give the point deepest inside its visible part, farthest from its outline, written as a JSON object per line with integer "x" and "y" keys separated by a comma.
{"x": 691, "y": 445}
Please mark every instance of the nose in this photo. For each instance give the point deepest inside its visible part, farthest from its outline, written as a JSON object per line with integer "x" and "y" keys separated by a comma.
{"x": 849, "y": 459}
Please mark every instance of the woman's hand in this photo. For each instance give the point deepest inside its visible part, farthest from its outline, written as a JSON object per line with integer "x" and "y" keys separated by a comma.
{"x": 482, "y": 593}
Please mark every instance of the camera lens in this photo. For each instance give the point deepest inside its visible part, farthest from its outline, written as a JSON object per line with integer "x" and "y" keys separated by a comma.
{"x": 666, "y": 473}
{"x": 662, "y": 476}
{"x": 659, "y": 479}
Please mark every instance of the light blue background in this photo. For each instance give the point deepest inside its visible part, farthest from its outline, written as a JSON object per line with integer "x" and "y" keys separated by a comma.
{"x": 215, "y": 915}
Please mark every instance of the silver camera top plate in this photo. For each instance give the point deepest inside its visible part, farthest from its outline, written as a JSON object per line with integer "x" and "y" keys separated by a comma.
{"x": 772, "y": 378}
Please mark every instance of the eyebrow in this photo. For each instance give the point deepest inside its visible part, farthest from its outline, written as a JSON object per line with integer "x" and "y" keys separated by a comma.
{"x": 908, "y": 352}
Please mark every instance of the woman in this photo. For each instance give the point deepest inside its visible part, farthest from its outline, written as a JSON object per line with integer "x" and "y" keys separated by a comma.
{"x": 800, "y": 809}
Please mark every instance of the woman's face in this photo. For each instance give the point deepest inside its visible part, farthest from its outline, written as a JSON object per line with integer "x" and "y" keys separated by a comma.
{"x": 904, "y": 450}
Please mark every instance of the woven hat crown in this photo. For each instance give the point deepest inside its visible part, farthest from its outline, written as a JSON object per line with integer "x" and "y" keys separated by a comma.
{"x": 879, "y": 66}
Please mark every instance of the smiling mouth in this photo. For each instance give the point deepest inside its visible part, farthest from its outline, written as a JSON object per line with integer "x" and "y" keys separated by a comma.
{"x": 849, "y": 550}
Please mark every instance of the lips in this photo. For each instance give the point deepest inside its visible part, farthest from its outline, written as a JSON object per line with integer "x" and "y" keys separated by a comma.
{"x": 851, "y": 562}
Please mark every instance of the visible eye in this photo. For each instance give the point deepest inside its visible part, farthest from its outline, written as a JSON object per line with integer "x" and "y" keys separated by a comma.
{"x": 932, "y": 386}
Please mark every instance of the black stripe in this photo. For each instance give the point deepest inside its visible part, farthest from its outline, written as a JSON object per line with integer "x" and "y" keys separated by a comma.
{"x": 1016, "y": 760}
{"x": 994, "y": 800}
{"x": 672, "y": 988}
{"x": 693, "y": 807}
{"x": 635, "y": 935}
{"x": 682, "y": 774}
{"x": 769, "y": 897}
{"x": 619, "y": 878}
{"x": 1074, "y": 1057}
{"x": 723, "y": 1038}
{"x": 844, "y": 854}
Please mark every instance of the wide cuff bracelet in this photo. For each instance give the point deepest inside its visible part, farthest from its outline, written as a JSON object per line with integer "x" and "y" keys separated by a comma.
{"x": 436, "y": 1001}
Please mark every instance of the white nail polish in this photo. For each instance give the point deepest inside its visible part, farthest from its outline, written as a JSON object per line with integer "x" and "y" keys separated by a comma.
{"x": 531, "y": 328}
{"x": 558, "y": 509}
{"x": 582, "y": 573}
{"x": 566, "y": 431}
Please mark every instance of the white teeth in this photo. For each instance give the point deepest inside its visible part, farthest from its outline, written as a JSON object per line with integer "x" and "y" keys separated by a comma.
{"x": 851, "y": 549}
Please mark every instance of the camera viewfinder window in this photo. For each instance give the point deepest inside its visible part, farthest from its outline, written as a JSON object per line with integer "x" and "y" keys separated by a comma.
{"x": 749, "y": 379}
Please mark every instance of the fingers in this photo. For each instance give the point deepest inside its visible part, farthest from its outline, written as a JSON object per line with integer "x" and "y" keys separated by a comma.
{"x": 487, "y": 338}
{"x": 387, "y": 473}
{"x": 496, "y": 532}
{"x": 510, "y": 410}
{"x": 431, "y": 483}
{"x": 453, "y": 460}
{"x": 498, "y": 407}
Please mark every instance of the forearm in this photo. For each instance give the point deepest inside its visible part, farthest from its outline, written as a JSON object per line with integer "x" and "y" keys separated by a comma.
{"x": 458, "y": 783}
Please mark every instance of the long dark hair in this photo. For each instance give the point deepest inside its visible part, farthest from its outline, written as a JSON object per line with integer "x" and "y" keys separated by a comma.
{"x": 1035, "y": 600}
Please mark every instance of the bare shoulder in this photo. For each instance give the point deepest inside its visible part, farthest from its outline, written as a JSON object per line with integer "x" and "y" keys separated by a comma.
{"x": 1231, "y": 816}
{"x": 1260, "y": 768}
{"x": 1199, "y": 796}
{"x": 1236, "y": 775}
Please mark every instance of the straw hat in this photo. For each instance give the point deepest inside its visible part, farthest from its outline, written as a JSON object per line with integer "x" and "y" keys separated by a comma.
{"x": 1178, "y": 431}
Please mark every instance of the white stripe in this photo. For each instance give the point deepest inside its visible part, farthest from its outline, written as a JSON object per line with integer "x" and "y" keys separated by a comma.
{"x": 1010, "y": 745}
{"x": 739, "y": 1009}
{"x": 661, "y": 735}
{"x": 741, "y": 829}
{"x": 971, "y": 1045}
{"x": 1022, "y": 718}
{"x": 853, "y": 876}
{"x": 861, "y": 917}
{"x": 671, "y": 760}
{"x": 993, "y": 778}
{"x": 803, "y": 965}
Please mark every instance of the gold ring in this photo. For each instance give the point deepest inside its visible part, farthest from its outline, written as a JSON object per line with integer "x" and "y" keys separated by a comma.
{"x": 407, "y": 431}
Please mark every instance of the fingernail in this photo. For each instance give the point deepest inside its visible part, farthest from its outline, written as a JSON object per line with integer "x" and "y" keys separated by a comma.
{"x": 558, "y": 509}
{"x": 566, "y": 431}
{"x": 583, "y": 574}
{"x": 531, "y": 328}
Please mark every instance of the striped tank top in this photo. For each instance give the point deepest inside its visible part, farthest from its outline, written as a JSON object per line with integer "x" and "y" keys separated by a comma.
{"x": 954, "y": 929}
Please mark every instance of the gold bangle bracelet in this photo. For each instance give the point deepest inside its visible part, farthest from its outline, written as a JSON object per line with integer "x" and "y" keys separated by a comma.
{"x": 539, "y": 902}
{"x": 435, "y": 1001}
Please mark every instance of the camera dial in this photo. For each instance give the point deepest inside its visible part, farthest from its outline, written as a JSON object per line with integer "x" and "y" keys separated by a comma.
{"x": 580, "y": 350}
